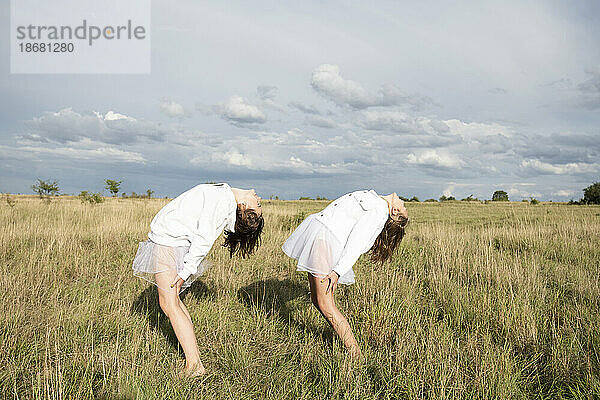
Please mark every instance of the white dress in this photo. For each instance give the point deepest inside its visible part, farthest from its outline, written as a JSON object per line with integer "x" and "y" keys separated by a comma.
{"x": 183, "y": 232}
{"x": 333, "y": 239}
{"x": 152, "y": 258}
{"x": 316, "y": 248}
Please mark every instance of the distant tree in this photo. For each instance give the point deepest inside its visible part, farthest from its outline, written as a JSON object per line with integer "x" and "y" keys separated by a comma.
{"x": 414, "y": 199}
{"x": 276, "y": 197}
{"x": 45, "y": 189}
{"x": 533, "y": 200}
{"x": 500, "y": 195}
{"x": 322, "y": 198}
{"x": 305, "y": 198}
{"x": 431, "y": 201}
{"x": 92, "y": 198}
{"x": 447, "y": 198}
{"x": 112, "y": 186}
{"x": 403, "y": 198}
{"x": 96, "y": 198}
{"x": 591, "y": 194}
{"x": 133, "y": 195}
{"x": 470, "y": 198}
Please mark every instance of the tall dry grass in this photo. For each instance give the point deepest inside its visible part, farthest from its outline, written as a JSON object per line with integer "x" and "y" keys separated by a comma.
{"x": 482, "y": 301}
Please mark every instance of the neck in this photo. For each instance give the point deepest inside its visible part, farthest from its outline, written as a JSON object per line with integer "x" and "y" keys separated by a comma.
{"x": 238, "y": 194}
{"x": 388, "y": 200}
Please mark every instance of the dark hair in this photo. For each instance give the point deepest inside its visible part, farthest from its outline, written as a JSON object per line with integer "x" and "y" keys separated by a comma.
{"x": 388, "y": 240}
{"x": 246, "y": 238}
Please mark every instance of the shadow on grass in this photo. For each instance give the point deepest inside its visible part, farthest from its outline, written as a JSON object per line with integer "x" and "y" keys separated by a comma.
{"x": 146, "y": 305}
{"x": 272, "y": 296}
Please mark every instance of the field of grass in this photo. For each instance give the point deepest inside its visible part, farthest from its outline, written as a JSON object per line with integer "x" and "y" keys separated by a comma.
{"x": 482, "y": 301}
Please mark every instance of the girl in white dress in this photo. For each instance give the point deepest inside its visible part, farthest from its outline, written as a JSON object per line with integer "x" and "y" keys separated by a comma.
{"x": 328, "y": 243}
{"x": 181, "y": 235}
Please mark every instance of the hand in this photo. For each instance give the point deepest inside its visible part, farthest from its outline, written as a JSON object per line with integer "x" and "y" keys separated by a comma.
{"x": 177, "y": 283}
{"x": 332, "y": 281}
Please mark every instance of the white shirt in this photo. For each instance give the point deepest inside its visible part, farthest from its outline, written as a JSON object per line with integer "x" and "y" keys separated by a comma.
{"x": 195, "y": 218}
{"x": 356, "y": 219}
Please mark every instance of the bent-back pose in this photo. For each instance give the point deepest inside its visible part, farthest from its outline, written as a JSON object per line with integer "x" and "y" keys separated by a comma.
{"x": 181, "y": 235}
{"x": 328, "y": 243}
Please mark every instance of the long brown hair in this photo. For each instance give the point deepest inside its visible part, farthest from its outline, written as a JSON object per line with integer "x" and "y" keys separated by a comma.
{"x": 246, "y": 238}
{"x": 388, "y": 240}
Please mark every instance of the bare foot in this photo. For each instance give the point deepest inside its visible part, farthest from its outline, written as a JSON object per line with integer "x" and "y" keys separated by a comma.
{"x": 193, "y": 371}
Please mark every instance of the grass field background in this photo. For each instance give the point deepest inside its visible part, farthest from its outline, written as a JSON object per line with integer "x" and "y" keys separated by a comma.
{"x": 494, "y": 300}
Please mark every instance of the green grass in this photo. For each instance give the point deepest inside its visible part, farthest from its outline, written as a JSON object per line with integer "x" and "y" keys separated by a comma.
{"x": 482, "y": 301}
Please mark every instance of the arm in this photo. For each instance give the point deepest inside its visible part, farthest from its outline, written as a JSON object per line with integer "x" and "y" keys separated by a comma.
{"x": 361, "y": 239}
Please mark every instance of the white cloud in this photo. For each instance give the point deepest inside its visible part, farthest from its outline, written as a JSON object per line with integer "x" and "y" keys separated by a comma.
{"x": 292, "y": 138}
{"x": 396, "y": 121}
{"x": 171, "y": 108}
{"x": 298, "y": 163}
{"x": 232, "y": 157}
{"x": 266, "y": 92}
{"x": 431, "y": 158}
{"x": 392, "y": 95}
{"x": 294, "y": 152}
{"x": 306, "y": 109}
{"x": 327, "y": 80}
{"x": 110, "y": 116}
{"x": 67, "y": 125}
{"x": 439, "y": 126}
{"x": 477, "y": 129}
{"x": 521, "y": 190}
{"x": 266, "y": 95}
{"x": 104, "y": 154}
{"x": 564, "y": 193}
{"x": 302, "y": 166}
{"x": 559, "y": 169}
{"x": 278, "y": 155}
{"x": 238, "y": 111}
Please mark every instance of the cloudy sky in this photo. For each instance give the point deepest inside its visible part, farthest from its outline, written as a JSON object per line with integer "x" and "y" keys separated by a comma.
{"x": 322, "y": 98}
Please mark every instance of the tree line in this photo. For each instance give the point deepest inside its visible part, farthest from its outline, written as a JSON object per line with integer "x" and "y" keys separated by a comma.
{"x": 47, "y": 189}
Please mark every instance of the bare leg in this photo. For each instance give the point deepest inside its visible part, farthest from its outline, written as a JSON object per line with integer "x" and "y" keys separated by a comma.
{"x": 180, "y": 319}
{"x": 326, "y": 306}
{"x": 185, "y": 310}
